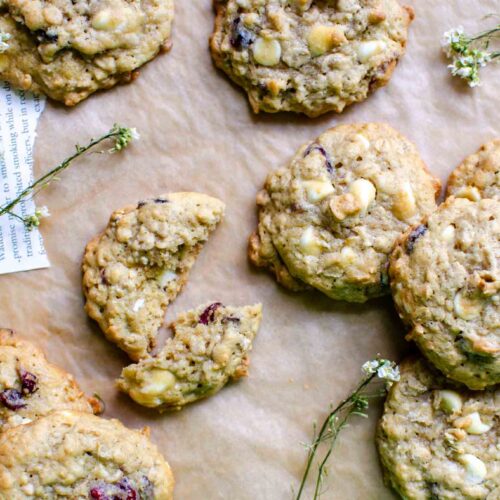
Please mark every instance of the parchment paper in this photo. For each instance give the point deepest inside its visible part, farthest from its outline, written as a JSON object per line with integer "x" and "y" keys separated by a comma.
{"x": 199, "y": 134}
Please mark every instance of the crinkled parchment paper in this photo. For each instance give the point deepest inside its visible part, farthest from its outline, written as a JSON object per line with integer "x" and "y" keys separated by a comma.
{"x": 199, "y": 134}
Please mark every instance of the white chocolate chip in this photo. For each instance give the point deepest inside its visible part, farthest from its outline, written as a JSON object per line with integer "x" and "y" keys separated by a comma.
{"x": 363, "y": 141}
{"x": 138, "y": 304}
{"x": 156, "y": 382}
{"x": 364, "y": 192}
{"x": 317, "y": 190}
{"x": 266, "y": 51}
{"x": 448, "y": 233}
{"x": 105, "y": 20}
{"x": 450, "y": 401}
{"x": 348, "y": 255}
{"x": 28, "y": 489}
{"x": 469, "y": 192}
{"x": 472, "y": 423}
{"x": 467, "y": 308}
{"x": 324, "y": 38}
{"x": 221, "y": 354}
{"x": 166, "y": 277}
{"x": 309, "y": 242}
{"x": 366, "y": 50}
{"x": 475, "y": 469}
{"x": 404, "y": 206}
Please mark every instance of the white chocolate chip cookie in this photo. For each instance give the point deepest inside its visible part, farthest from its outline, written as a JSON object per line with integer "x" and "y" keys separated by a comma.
{"x": 330, "y": 219}
{"x": 31, "y": 387}
{"x": 79, "y": 456}
{"x": 210, "y": 347}
{"x": 438, "y": 440}
{"x": 138, "y": 265}
{"x": 445, "y": 280}
{"x": 309, "y": 56}
{"x": 68, "y": 49}
{"x": 479, "y": 175}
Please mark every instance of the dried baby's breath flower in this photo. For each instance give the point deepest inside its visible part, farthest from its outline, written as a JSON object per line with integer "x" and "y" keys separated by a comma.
{"x": 469, "y": 53}
{"x": 122, "y": 137}
{"x": 32, "y": 221}
{"x": 384, "y": 369}
{"x": 356, "y": 404}
{"x": 4, "y": 38}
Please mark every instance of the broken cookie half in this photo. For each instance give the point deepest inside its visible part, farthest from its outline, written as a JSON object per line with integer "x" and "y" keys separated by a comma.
{"x": 141, "y": 261}
{"x": 210, "y": 347}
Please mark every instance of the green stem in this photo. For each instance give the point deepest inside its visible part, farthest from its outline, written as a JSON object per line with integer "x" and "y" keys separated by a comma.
{"x": 328, "y": 453}
{"x": 484, "y": 34}
{"x": 16, "y": 216}
{"x": 49, "y": 176}
{"x": 332, "y": 414}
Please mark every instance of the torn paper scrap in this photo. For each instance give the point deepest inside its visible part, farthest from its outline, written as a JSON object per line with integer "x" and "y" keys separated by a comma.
{"x": 20, "y": 249}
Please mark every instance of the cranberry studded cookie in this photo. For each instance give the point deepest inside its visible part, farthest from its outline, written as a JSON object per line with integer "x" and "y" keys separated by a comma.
{"x": 445, "y": 280}
{"x": 210, "y": 347}
{"x": 81, "y": 456}
{"x": 138, "y": 265}
{"x": 309, "y": 56}
{"x": 479, "y": 175}
{"x": 69, "y": 49}
{"x": 31, "y": 387}
{"x": 438, "y": 440}
{"x": 331, "y": 217}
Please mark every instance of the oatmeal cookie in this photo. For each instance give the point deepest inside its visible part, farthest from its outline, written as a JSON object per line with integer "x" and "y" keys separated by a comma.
{"x": 438, "y": 440}
{"x": 331, "y": 218}
{"x": 210, "y": 347}
{"x": 68, "y": 49}
{"x": 139, "y": 264}
{"x": 309, "y": 56}
{"x": 479, "y": 175}
{"x": 80, "y": 456}
{"x": 445, "y": 280}
{"x": 31, "y": 387}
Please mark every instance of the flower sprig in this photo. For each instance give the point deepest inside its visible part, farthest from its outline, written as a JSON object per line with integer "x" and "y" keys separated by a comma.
{"x": 356, "y": 404}
{"x": 4, "y": 38}
{"x": 469, "y": 53}
{"x": 121, "y": 137}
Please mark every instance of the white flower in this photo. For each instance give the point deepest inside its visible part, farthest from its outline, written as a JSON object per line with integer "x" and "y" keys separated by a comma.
{"x": 4, "y": 37}
{"x": 42, "y": 212}
{"x": 389, "y": 371}
{"x": 370, "y": 366}
{"x": 135, "y": 134}
{"x": 385, "y": 370}
{"x": 450, "y": 38}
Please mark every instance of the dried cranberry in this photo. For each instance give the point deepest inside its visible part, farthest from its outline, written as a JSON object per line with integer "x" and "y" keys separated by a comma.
{"x": 29, "y": 381}
{"x": 322, "y": 150}
{"x": 126, "y": 486}
{"x": 414, "y": 236}
{"x": 208, "y": 315}
{"x": 98, "y": 493}
{"x": 241, "y": 38}
{"x": 12, "y": 399}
